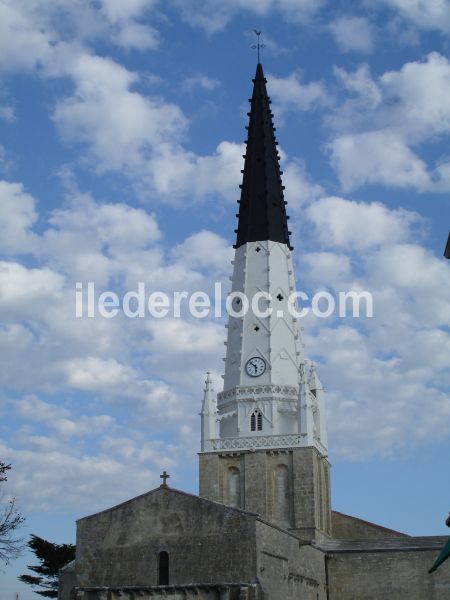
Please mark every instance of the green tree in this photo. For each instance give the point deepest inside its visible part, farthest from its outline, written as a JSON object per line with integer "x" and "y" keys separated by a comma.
{"x": 52, "y": 558}
{"x": 10, "y": 520}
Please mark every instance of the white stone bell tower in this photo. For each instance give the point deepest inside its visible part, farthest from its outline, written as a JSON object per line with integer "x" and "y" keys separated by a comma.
{"x": 270, "y": 454}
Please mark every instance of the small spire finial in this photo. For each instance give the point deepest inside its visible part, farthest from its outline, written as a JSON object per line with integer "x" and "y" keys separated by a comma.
{"x": 258, "y": 44}
{"x": 208, "y": 381}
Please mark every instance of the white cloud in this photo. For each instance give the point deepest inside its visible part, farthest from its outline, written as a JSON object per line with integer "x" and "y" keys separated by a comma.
{"x": 298, "y": 11}
{"x": 5, "y": 161}
{"x": 21, "y": 287}
{"x": 31, "y": 408}
{"x": 117, "y": 11}
{"x": 328, "y": 267}
{"x": 154, "y": 394}
{"x": 416, "y": 97}
{"x": 411, "y": 272}
{"x": 175, "y": 347}
{"x": 202, "y": 81}
{"x": 94, "y": 373}
{"x": 425, "y": 14}
{"x": 300, "y": 189}
{"x": 174, "y": 171}
{"x": 382, "y": 127}
{"x": 341, "y": 223}
{"x": 353, "y": 34}
{"x": 214, "y": 15}
{"x": 205, "y": 249}
{"x": 92, "y": 369}
{"x": 115, "y": 246}
{"x": 179, "y": 336}
{"x": 123, "y": 130}
{"x": 120, "y": 126}
{"x": 376, "y": 369}
{"x": 291, "y": 93}
{"x": 17, "y": 216}
{"x": 404, "y": 33}
{"x": 38, "y": 34}
{"x": 123, "y": 18}
{"x": 142, "y": 365}
{"x": 377, "y": 157}
{"x": 22, "y": 44}
{"x": 43, "y": 473}
{"x": 360, "y": 83}
{"x": 135, "y": 35}
{"x": 7, "y": 113}
{"x": 140, "y": 136}
{"x": 115, "y": 226}
{"x": 381, "y": 410}
{"x": 137, "y": 370}
{"x": 95, "y": 242}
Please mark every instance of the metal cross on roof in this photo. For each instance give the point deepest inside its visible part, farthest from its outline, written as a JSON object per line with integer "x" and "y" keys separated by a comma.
{"x": 165, "y": 476}
{"x": 258, "y": 45}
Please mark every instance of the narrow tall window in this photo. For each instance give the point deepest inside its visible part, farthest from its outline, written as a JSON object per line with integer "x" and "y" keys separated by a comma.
{"x": 163, "y": 568}
{"x": 282, "y": 494}
{"x": 256, "y": 421}
{"x": 234, "y": 487}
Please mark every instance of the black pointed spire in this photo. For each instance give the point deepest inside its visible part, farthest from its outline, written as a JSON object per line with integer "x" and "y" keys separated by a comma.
{"x": 262, "y": 211}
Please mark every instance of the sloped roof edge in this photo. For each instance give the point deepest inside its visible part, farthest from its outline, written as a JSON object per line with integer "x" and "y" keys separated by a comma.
{"x": 174, "y": 491}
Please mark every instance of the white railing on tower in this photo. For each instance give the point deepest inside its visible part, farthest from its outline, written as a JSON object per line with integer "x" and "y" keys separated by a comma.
{"x": 290, "y": 440}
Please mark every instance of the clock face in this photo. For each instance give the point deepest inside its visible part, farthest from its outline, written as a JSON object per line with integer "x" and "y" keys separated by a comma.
{"x": 255, "y": 366}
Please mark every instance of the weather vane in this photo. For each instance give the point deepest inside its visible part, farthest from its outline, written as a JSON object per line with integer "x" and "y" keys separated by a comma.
{"x": 258, "y": 45}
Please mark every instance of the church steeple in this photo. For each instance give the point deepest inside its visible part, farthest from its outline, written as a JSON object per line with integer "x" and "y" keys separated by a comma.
{"x": 269, "y": 455}
{"x": 262, "y": 212}
{"x": 263, "y": 349}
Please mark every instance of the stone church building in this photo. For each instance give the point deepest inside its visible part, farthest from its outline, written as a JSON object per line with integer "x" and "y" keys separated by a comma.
{"x": 262, "y": 527}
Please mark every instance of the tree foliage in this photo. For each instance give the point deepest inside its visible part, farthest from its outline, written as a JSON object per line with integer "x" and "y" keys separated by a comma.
{"x": 10, "y": 520}
{"x": 52, "y": 558}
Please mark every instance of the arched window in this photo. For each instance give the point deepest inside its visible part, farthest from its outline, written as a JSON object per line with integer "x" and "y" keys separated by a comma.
{"x": 234, "y": 487}
{"x": 163, "y": 568}
{"x": 256, "y": 421}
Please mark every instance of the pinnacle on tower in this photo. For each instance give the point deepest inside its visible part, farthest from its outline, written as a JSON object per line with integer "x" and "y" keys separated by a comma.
{"x": 262, "y": 211}
{"x": 208, "y": 414}
{"x": 209, "y": 399}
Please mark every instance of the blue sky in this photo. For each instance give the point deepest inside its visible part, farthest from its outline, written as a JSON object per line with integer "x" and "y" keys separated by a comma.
{"x": 121, "y": 135}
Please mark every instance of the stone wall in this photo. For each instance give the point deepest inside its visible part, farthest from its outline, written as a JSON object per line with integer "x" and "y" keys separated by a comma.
{"x": 120, "y": 546}
{"x": 185, "y": 592}
{"x": 387, "y": 570}
{"x": 221, "y": 553}
{"x": 305, "y": 506}
{"x": 288, "y": 569}
{"x": 311, "y": 494}
{"x": 67, "y": 582}
{"x": 351, "y": 528}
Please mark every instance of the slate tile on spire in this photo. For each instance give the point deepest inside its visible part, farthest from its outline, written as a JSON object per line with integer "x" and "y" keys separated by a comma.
{"x": 262, "y": 210}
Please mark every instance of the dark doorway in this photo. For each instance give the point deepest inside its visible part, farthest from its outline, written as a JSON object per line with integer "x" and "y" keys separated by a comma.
{"x": 163, "y": 568}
